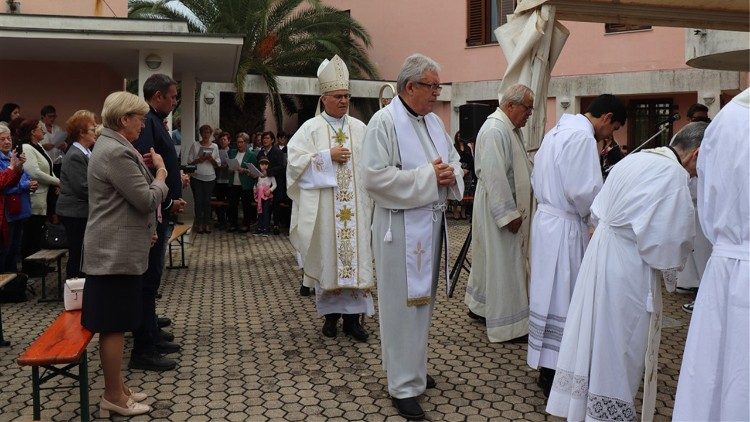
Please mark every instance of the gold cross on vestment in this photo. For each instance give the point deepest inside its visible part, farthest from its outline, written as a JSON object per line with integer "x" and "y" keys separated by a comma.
{"x": 340, "y": 137}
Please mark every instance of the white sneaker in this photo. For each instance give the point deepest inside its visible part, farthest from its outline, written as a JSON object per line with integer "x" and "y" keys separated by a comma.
{"x": 688, "y": 307}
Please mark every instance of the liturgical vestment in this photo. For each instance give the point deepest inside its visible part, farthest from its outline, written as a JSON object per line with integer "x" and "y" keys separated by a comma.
{"x": 396, "y": 191}
{"x": 644, "y": 224}
{"x": 713, "y": 383}
{"x": 330, "y": 227}
{"x": 498, "y": 283}
{"x": 566, "y": 178}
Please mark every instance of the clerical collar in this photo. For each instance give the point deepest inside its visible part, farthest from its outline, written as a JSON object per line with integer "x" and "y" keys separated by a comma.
{"x": 675, "y": 154}
{"x": 406, "y": 106}
{"x": 330, "y": 118}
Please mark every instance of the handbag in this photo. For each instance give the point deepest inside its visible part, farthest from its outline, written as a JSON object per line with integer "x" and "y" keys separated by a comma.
{"x": 73, "y": 293}
{"x": 53, "y": 236}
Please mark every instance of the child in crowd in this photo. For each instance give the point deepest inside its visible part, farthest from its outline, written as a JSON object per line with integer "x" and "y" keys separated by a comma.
{"x": 263, "y": 192}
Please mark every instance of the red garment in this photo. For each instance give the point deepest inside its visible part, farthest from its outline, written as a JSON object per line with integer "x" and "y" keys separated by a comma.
{"x": 8, "y": 178}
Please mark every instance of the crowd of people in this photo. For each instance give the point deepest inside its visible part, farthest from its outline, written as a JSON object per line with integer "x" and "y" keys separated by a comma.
{"x": 563, "y": 258}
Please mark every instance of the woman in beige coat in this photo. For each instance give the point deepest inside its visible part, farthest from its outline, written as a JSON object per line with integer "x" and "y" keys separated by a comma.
{"x": 124, "y": 199}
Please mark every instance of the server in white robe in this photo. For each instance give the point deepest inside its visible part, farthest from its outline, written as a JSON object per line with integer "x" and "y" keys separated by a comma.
{"x": 644, "y": 224}
{"x": 713, "y": 384}
{"x": 566, "y": 178}
{"x": 690, "y": 277}
{"x": 411, "y": 170}
{"x": 330, "y": 226}
{"x": 498, "y": 282}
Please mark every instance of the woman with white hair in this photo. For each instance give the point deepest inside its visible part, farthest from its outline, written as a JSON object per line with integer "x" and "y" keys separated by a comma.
{"x": 124, "y": 204}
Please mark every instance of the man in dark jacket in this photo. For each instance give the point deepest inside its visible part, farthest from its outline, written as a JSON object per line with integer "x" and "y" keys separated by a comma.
{"x": 150, "y": 343}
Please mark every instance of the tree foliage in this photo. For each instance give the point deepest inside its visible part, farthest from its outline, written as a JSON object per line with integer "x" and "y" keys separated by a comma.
{"x": 281, "y": 37}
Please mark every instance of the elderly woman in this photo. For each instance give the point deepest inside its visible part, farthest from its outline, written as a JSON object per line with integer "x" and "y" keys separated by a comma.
{"x": 124, "y": 201}
{"x": 73, "y": 204}
{"x": 241, "y": 185}
{"x": 205, "y": 156}
{"x": 15, "y": 184}
{"x": 17, "y": 204}
{"x": 39, "y": 166}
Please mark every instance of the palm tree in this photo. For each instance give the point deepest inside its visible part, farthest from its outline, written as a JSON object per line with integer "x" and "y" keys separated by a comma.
{"x": 282, "y": 37}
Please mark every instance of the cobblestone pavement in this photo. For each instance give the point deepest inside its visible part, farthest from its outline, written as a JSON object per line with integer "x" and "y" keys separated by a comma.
{"x": 252, "y": 350}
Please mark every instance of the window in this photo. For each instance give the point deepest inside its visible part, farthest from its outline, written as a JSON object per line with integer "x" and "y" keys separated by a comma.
{"x": 644, "y": 117}
{"x": 613, "y": 28}
{"x": 483, "y": 16}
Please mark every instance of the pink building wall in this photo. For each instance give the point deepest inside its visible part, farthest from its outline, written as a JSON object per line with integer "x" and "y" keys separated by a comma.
{"x": 110, "y": 8}
{"x": 52, "y": 82}
{"x": 437, "y": 28}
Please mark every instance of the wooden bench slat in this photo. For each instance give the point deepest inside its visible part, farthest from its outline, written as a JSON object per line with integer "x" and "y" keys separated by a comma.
{"x": 47, "y": 255}
{"x": 177, "y": 231}
{"x": 6, "y": 278}
{"x": 63, "y": 342}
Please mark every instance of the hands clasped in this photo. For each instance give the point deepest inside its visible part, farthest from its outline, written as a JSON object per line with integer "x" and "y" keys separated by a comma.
{"x": 444, "y": 173}
{"x": 340, "y": 154}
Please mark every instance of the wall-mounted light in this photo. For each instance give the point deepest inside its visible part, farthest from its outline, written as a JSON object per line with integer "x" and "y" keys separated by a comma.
{"x": 564, "y": 102}
{"x": 209, "y": 97}
{"x": 153, "y": 61}
{"x": 708, "y": 100}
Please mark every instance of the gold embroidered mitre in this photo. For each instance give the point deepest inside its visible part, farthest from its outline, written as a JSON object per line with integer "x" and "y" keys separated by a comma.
{"x": 333, "y": 75}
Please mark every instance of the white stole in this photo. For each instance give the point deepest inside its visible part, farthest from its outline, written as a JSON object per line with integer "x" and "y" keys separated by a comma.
{"x": 418, "y": 221}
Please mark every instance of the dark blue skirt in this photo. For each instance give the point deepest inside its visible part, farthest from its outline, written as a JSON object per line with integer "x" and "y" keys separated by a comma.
{"x": 112, "y": 303}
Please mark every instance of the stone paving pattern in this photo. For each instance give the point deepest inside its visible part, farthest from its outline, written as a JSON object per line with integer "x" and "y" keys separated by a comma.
{"x": 252, "y": 350}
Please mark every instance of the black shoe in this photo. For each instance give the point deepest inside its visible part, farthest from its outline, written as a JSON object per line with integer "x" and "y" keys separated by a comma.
{"x": 305, "y": 291}
{"x": 353, "y": 328}
{"x": 232, "y": 229}
{"x": 523, "y": 339}
{"x": 409, "y": 408}
{"x": 158, "y": 296}
{"x": 167, "y": 347}
{"x": 329, "y": 327}
{"x": 431, "y": 382}
{"x": 276, "y": 230}
{"x": 163, "y": 322}
{"x": 151, "y": 362}
{"x": 166, "y": 335}
{"x": 546, "y": 376}
{"x": 472, "y": 315}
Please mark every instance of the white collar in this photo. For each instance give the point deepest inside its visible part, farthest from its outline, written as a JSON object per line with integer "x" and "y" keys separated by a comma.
{"x": 86, "y": 151}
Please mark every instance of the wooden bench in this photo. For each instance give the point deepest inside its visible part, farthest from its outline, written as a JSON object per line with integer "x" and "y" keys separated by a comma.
{"x": 63, "y": 343}
{"x": 178, "y": 233}
{"x": 46, "y": 256}
{"x": 4, "y": 279}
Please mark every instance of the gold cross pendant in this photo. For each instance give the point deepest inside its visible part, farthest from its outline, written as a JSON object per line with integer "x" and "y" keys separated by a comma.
{"x": 340, "y": 137}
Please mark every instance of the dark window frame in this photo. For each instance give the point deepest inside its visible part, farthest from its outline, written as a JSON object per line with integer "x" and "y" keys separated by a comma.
{"x": 619, "y": 28}
{"x": 479, "y": 20}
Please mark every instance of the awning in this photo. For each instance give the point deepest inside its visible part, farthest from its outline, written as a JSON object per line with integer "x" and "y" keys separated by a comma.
{"x": 730, "y": 15}
{"x": 117, "y": 42}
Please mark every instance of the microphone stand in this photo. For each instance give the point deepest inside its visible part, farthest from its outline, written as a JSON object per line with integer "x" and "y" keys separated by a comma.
{"x": 664, "y": 127}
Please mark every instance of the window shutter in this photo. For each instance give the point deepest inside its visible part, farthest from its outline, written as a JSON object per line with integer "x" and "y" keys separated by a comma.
{"x": 476, "y": 22}
{"x": 506, "y": 8}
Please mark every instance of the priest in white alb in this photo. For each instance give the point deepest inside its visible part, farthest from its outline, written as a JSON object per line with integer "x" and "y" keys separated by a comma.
{"x": 411, "y": 170}
{"x": 566, "y": 178}
{"x": 713, "y": 384}
{"x": 498, "y": 282}
{"x": 330, "y": 226}
{"x": 644, "y": 225}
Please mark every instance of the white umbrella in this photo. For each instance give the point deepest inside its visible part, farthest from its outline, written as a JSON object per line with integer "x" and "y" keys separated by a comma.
{"x": 532, "y": 41}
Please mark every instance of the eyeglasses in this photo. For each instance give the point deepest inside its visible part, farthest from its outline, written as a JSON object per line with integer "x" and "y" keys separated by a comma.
{"x": 433, "y": 87}
{"x": 529, "y": 109}
{"x": 339, "y": 97}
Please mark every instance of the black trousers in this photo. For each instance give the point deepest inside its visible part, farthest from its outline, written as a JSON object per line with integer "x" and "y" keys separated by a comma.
{"x": 75, "y": 228}
{"x": 147, "y": 335}
{"x": 221, "y": 192}
{"x": 31, "y": 242}
{"x": 236, "y": 193}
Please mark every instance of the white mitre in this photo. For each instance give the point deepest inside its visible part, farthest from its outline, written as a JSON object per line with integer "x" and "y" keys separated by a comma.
{"x": 333, "y": 75}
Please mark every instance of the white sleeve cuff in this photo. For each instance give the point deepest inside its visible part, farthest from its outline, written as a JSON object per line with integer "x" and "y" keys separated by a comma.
{"x": 321, "y": 172}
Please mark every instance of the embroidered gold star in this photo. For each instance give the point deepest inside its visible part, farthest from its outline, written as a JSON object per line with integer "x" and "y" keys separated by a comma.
{"x": 340, "y": 137}
{"x": 345, "y": 214}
